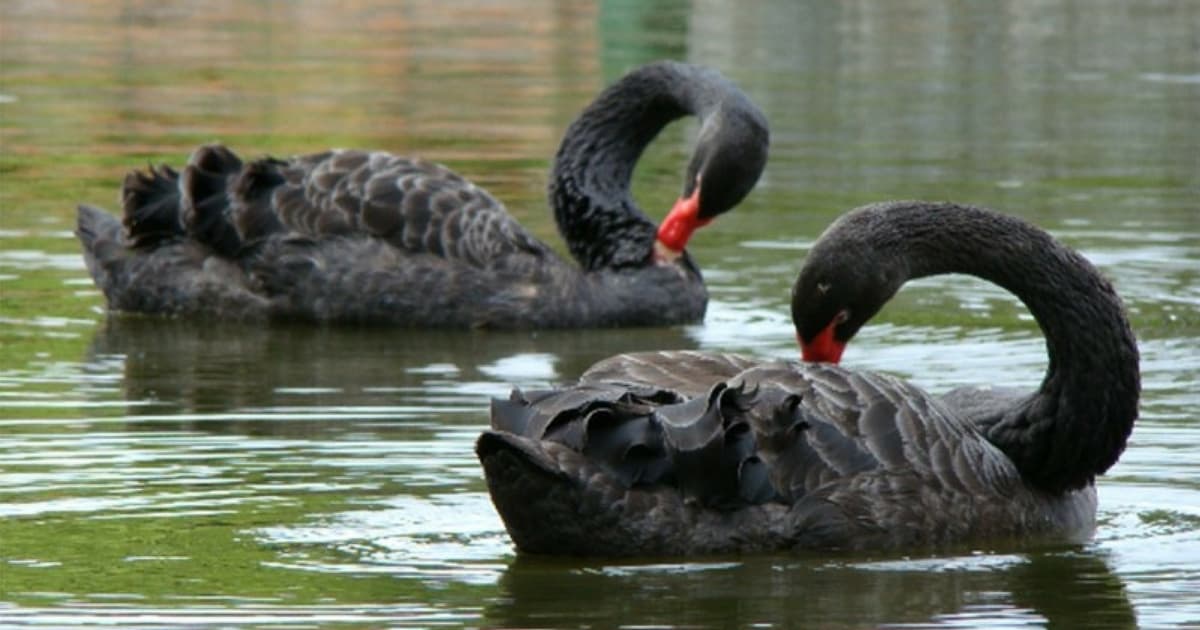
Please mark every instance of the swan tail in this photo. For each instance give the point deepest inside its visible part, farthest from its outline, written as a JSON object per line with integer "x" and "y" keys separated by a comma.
{"x": 618, "y": 471}
{"x": 555, "y": 501}
{"x": 104, "y": 249}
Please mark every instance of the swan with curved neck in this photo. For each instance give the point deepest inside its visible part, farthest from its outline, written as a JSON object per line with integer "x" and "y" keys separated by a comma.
{"x": 684, "y": 452}
{"x": 358, "y": 237}
{"x": 1074, "y": 426}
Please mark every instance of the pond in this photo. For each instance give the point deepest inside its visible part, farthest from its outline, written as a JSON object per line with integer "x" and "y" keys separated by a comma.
{"x": 157, "y": 473}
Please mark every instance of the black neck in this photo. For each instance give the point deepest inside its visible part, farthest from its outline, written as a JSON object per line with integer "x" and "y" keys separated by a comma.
{"x": 1076, "y": 425}
{"x": 590, "y": 183}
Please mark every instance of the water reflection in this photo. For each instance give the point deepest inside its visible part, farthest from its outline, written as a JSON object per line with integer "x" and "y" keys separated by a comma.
{"x": 998, "y": 100}
{"x": 170, "y": 367}
{"x": 1047, "y": 588}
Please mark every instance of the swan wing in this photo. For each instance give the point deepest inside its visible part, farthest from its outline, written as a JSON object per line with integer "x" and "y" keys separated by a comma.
{"x": 415, "y": 205}
{"x": 821, "y": 424}
{"x": 687, "y": 373}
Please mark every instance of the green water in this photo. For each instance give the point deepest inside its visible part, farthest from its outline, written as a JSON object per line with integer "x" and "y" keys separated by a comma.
{"x": 159, "y": 473}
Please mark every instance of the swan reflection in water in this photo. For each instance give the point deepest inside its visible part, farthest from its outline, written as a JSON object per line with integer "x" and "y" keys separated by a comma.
{"x": 170, "y": 367}
{"x": 1048, "y": 588}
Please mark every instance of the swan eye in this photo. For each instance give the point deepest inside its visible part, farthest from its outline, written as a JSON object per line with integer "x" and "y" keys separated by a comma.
{"x": 842, "y": 316}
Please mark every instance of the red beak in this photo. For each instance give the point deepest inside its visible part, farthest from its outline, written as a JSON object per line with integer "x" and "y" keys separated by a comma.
{"x": 823, "y": 348}
{"x": 683, "y": 219}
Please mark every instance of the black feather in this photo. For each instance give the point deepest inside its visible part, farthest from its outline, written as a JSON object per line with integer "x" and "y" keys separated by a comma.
{"x": 150, "y": 202}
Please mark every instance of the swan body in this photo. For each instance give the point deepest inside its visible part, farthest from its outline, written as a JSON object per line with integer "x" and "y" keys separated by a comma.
{"x": 680, "y": 453}
{"x": 359, "y": 237}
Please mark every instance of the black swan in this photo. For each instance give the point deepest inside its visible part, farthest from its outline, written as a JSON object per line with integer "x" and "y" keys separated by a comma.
{"x": 677, "y": 453}
{"x": 371, "y": 238}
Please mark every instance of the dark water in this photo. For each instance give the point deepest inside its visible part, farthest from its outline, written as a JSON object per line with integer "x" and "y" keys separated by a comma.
{"x": 160, "y": 473}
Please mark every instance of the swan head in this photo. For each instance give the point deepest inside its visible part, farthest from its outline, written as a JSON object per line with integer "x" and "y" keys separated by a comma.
{"x": 730, "y": 154}
{"x": 846, "y": 279}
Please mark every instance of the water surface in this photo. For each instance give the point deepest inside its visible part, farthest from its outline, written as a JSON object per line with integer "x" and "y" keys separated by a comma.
{"x": 157, "y": 473}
